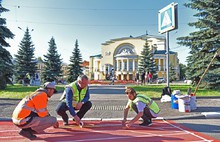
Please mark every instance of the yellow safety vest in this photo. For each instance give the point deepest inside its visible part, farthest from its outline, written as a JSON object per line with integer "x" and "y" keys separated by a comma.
{"x": 151, "y": 104}
{"x": 78, "y": 97}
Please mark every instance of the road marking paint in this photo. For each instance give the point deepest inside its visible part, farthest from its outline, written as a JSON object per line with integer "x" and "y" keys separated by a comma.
{"x": 186, "y": 131}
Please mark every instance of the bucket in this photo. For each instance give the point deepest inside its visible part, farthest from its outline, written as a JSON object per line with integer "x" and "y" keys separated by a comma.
{"x": 174, "y": 102}
{"x": 193, "y": 101}
{"x": 184, "y": 104}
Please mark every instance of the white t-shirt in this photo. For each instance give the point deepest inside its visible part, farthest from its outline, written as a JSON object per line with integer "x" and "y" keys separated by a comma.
{"x": 140, "y": 106}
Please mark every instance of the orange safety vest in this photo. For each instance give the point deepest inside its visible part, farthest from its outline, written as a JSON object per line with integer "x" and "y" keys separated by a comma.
{"x": 35, "y": 102}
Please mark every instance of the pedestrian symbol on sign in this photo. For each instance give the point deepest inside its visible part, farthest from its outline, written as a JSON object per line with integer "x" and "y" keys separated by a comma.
{"x": 166, "y": 21}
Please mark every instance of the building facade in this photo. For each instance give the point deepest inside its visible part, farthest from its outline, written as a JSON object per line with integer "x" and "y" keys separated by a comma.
{"x": 120, "y": 57}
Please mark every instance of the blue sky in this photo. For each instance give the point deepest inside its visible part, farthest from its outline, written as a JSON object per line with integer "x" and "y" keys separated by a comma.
{"x": 91, "y": 22}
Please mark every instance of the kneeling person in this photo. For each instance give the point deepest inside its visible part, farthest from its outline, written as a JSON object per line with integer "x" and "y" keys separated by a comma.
{"x": 75, "y": 97}
{"x": 31, "y": 114}
{"x": 144, "y": 106}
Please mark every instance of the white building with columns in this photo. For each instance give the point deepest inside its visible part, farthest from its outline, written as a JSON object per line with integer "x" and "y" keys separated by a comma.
{"x": 121, "y": 56}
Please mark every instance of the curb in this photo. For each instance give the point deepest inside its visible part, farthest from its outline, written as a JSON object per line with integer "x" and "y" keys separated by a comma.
{"x": 197, "y": 116}
{"x": 5, "y": 119}
{"x": 203, "y": 115}
{"x": 211, "y": 114}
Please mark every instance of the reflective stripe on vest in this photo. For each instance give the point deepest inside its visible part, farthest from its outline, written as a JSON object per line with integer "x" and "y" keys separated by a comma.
{"x": 148, "y": 101}
{"x": 41, "y": 110}
{"x": 21, "y": 121}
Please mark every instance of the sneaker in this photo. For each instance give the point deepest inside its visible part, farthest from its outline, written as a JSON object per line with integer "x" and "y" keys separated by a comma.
{"x": 56, "y": 125}
{"x": 65, "y": 123}
{"x": 27, "y": 134}
{"x": 146, "y": 124}
{"x": 34, "y": 132}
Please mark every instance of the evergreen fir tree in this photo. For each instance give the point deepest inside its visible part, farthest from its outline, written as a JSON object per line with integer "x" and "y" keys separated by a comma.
{"x": 75, "y": 68}
{"x": 147, "y": 62}
{"x": 182, "y": 71}
{"x": 25, "y": 60}
{"x": 6, "y": 65}
{"x": 144, "y": 63}
{"x": 53, "y": 63}
{"x": 172, "y": 74}
{"x": 193, "y": 71}
{"x": 206, "y": 41}
{"x": 152, "y": 66}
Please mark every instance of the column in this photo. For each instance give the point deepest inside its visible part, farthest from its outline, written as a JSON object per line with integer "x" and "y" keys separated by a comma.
{"x": 104, "y": 69}
{"x": 100, "y": 67}
{"x": 117, "y": 64}
{"x": 159, "y": 65}
{"x": 95, "y": 66}
{"x": 128, "y": 65}
{"x": 133, "y": 65}
{"x": 164, "y": 64}
{"x": 122, "y": 65}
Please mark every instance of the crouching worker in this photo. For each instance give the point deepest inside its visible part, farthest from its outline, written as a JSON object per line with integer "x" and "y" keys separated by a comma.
{"x": 144, "y": 106}
{"x": 31, "y": 114}
{"x": 75, "y": 99}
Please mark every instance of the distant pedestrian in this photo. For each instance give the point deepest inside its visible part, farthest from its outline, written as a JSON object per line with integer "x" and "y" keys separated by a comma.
{"x": 137, "y": 78}
{"x": 150, "y": 77}
{"x": 144, "y": 106}
{"x": 143, "y": 78}
{"x": 113, "y": 80}
{"x": 146, "y": 77}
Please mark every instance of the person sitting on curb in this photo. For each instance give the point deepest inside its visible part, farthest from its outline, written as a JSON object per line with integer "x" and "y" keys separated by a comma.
{"x": 75, "y": 97}
{"x": 31, "y": 114}
{"x": 144, "y": 106}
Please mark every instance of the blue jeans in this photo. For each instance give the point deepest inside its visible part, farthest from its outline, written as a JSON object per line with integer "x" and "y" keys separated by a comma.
{"x": 62, "y": 108}
{"x": 147, "y": 116}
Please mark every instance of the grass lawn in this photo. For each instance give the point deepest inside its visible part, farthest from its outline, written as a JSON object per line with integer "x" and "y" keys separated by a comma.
{"x": 155, "y": 91}
{"x": 18, "y": 91}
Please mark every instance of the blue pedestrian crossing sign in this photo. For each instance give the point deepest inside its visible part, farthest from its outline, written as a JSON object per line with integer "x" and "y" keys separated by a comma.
{"x": 167, "y": 18}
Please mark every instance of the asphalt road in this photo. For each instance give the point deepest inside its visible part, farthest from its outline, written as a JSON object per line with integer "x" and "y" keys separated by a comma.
{"x": 109, "y": 101}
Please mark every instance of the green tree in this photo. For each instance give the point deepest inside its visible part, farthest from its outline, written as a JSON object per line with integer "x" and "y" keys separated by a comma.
{"x": 182, "y": 71}
{"x": 75, "y": 68}
{"x": 172, "y": 74}
{"x": 53, "y": 63}
{"x": 204, "y": 42}
{"x": 147, "y": 62}
{"x": 25, "y": 62}
{"x": 144, "y": 63}
{"x": 6, "y": 65}
{"x": 153, "y": 66}
{"x": 193, "y": 64}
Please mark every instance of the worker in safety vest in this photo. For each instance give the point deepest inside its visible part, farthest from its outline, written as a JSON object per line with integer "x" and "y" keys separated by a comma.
{"x": 144, "y": 106}
{"x": 75, "y": 98}
{"x": 31, "y": 114}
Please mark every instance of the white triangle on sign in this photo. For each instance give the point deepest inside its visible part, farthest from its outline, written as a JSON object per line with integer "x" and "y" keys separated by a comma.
{"x": 166, "y": 20}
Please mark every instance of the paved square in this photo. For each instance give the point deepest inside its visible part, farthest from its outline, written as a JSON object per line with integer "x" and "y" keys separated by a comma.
{"x": 107, "y": 131}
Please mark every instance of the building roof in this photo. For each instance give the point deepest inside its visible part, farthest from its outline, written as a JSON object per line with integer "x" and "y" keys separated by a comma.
{"x": 131, "y": 37}
{"x": 151, "y": 36}
{"x": 163, "y": 52}
{"x": 99, "y": 55}
{"x": 85, "y": 64}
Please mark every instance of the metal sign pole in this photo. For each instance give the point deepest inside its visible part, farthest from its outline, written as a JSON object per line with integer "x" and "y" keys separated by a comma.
{"x": 168, "y": 59}
{"x": 167, "y": 18}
